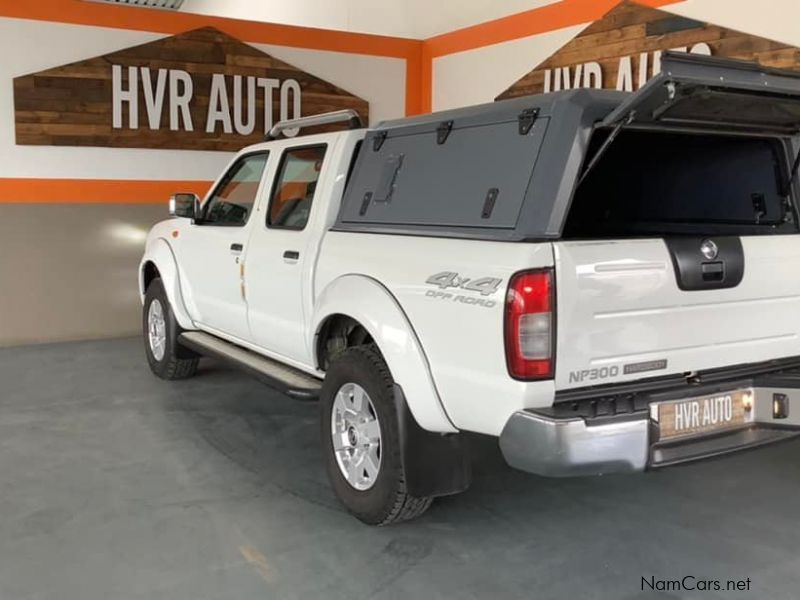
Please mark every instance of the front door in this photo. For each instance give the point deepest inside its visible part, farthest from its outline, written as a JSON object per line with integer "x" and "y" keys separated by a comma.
{"x": 211, "y": 250}
{"x": 279, "y": 258}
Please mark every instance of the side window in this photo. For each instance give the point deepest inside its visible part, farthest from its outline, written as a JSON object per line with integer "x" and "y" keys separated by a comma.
{"x": 233, "y": 199}
{"x": 293, "y": 194}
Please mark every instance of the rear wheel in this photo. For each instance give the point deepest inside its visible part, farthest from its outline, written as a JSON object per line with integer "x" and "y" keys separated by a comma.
{"x": 167, "y": 359}
{"x": 361, "y": 439}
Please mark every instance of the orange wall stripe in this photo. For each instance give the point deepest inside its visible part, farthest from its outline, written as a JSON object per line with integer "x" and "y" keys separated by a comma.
{"x": 426, "y": 80}
{"x": 558, "y": 15}
{"x": 94, "y": 191}
{"x": 417, "y": 96}
{"x": 80, "y": 12}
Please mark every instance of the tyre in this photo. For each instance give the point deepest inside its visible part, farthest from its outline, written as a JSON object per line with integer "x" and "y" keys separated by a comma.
{"x": 361, "y": 440}
{"x": 167, "y": 359}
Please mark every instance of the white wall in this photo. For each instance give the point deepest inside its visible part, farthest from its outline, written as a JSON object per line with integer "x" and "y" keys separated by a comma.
{"x": 778, "y": 20}
{"x": 380, "y": 81}
{"x": 476, "y": 76}
{"x": 416, "y": 19}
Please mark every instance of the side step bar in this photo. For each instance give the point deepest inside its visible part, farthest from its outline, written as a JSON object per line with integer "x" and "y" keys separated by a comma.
{"x": 288, "y": 380}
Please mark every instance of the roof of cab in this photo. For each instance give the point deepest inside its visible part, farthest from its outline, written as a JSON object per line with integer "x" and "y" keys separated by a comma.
{"x": 313, "y": 138}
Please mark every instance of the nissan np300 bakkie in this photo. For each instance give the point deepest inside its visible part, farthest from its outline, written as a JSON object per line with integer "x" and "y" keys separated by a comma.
{"x": 606, "y": 282}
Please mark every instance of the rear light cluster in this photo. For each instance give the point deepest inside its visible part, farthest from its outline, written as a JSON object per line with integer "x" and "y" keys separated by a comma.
{"x": 530, "y": 325}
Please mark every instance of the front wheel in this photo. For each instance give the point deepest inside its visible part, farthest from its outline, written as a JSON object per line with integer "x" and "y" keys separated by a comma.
{"x": 361, "y": 439}
{"x": 167, "y": 359}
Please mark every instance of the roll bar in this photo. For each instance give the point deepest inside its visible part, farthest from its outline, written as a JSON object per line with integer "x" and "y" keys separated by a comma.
{"x": 327, "y": 118}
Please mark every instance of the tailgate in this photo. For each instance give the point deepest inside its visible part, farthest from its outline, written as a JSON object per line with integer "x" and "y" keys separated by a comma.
{"x": 622, "y": 314}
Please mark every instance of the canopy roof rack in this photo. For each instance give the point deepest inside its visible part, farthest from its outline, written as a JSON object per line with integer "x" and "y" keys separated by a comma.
{"x": 327, "y": 118}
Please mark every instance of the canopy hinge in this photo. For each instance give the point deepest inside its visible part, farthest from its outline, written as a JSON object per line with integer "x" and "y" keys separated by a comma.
{"x": 526, "y": 120}
{"x": 378, "y": 140}
{"x": 443, "y": 131}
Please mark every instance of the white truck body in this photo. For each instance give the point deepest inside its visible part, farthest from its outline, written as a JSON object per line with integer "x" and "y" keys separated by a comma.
{"x": 624, "y": 326}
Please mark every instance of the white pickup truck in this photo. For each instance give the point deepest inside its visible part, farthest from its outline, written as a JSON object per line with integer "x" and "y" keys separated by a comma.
{"x": 606, "y": 282}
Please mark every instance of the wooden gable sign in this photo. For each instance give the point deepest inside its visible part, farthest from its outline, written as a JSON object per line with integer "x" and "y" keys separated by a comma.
{"x": 623, "y": 50}
{"x": 200, "y": 90}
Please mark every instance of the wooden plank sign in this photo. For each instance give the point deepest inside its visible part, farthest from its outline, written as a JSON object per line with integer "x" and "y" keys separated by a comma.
{"x": 623, "y": 50}
{"x": 199, "y": 90}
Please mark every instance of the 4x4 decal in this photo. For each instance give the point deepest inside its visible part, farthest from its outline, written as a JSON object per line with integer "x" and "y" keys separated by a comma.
{"x": 486, "y": 286}
{"x": 449, "y": 279}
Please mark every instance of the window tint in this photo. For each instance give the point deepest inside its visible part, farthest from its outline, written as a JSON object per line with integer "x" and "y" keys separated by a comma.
{"x": 290, "y": 205}
{"x": 233, "y": 199}
{"x": 658, "y": 183}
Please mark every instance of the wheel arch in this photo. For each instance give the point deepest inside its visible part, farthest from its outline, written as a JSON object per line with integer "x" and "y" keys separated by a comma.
{"x": 362, "y": 307}
{"x": 159, "y": 261}
{"x": 337, "y": 332}
{"x": 149, "y": 272}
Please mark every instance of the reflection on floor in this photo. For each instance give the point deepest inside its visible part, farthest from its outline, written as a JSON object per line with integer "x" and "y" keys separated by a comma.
{"x": 115, "y": 485}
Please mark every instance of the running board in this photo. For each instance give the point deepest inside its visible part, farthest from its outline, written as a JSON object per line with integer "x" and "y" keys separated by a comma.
{"x": 291, "y": 381}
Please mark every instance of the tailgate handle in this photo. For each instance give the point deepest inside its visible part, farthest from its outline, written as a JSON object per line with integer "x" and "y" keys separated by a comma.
{"x": 701, "y": 263}
{"x": 713, "y": 271}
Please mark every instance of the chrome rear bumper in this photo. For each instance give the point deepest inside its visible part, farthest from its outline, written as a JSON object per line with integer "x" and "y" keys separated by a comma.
{"x": 625, "y": 443}
{"x": 565, "y": 447}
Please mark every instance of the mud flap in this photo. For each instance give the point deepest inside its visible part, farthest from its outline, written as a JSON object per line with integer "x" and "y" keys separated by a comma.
{"x": 434, "y": 464}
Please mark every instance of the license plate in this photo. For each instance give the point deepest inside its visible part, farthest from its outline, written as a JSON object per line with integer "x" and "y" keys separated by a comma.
{"x": 705, "y": 414}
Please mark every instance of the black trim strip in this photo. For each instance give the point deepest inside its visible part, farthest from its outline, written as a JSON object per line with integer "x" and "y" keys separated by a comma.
{"x": 687, "y": 380}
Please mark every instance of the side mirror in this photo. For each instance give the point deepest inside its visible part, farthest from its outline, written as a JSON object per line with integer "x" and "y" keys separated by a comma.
{"x": 184, "y": 205}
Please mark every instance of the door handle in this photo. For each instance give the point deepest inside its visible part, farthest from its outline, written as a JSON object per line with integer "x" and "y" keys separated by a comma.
{"x": 291, "y": 255}
{"x": 237, "y": 248}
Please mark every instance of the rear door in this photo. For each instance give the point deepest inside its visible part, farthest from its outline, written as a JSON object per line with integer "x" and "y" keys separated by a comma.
{"x": 281, "y": 255}
{"x": 655, "y": 304}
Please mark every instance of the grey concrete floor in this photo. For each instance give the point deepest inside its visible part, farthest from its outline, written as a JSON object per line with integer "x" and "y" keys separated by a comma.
{"x": 115, "y": 485}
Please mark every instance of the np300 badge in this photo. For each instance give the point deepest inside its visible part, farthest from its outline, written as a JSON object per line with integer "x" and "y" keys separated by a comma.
{"x": 613, "y": 370}
{"x": 593, "y": 374}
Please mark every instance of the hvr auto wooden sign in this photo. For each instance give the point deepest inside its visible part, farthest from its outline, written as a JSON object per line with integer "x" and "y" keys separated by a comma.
{"x": 623, "y": 51}
{"x": 200, "y": 90}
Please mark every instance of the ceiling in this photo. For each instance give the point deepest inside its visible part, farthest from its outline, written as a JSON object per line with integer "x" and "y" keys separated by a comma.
{"x": 418, "y": 19}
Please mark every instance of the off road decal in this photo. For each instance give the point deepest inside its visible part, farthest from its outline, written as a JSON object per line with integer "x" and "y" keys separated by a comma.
{"x": 471, "y": 300}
